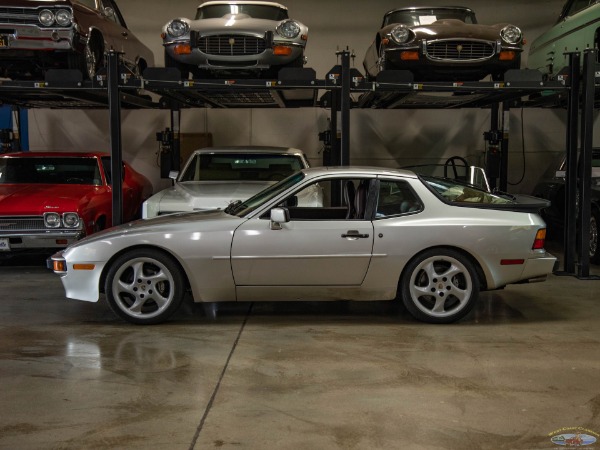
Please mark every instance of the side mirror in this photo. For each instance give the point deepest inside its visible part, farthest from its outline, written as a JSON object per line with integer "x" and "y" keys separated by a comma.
{"x": 279, "y": 216}
{"x": 109, "y": 12}
{"x": 173, "y": 174}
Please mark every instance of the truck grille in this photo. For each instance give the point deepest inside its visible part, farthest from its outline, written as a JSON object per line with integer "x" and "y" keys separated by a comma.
{"x": 459, "y": 50}
{"x": 25, "y": 16}
{"x": 231, "y": 45}
{"x": 22, "y": 223}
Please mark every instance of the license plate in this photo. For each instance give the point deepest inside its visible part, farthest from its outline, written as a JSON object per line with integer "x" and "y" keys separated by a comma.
{"x": 3, "y": 41}
{"x": 4, "y": 245}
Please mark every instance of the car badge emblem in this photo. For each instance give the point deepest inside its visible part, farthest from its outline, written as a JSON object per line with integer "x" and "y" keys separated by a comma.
{"x": 459, "y": 48}
{"x": 231, "y": 41}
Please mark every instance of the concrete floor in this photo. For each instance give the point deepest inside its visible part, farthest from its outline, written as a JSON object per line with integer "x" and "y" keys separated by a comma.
{"x": 524, "y": 366}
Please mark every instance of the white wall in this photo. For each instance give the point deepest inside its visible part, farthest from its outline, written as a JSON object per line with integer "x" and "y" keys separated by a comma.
{"x": 378, "y": 137}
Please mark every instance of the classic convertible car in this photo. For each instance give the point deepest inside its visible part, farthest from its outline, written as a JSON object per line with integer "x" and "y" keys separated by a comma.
{"x": 379, "y": 234}
{"x": 36, "y": 35}
{"x": 443, "y": 43}
{"x": 235, "y": 37}
{"x": 575, "y": 30}
{"x": 213, "y": 177}
{"x": 51, "y": 199}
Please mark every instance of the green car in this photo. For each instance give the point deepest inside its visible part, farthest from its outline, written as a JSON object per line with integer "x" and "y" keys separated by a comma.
{"x": 577, "y": 29}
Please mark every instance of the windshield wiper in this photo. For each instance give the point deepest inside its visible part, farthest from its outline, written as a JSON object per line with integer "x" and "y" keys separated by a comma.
{"x": 232, "y": 207}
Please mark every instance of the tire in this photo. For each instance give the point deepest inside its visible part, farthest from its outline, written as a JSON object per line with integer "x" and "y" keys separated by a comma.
{"x": 594, "y": 250}
{"x": 144, "y": 286}
{"x": 87, "y": 62}
{"x": 439, "y": 286}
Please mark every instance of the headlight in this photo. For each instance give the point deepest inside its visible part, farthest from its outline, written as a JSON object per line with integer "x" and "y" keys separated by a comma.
{"x": 288, "y": 29}
{"x": 511, "y": 34}
{"x": 63, "y": 17}
{"x": 401, "y": 34}
{"x": 177, "y": 28}
{"x": 52, "y": 220}
{"x": 71, "y": 220}
{"x": 46, "y": 17}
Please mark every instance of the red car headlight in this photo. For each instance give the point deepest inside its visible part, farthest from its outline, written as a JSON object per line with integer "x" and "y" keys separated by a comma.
{"x": 52, "y": 220}
{"x": 71, "y": 220}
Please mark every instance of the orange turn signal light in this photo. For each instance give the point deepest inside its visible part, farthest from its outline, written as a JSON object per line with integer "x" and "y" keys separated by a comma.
{"x": 540, "y": 239}
{"x": 409, "y": 56}
{"x": 282, "y": 50}
{"x": 182, "y": 49}
{"x": 59, "y": 266}
{"x": 507, "y": 55}
{"x": 84, "y": 266}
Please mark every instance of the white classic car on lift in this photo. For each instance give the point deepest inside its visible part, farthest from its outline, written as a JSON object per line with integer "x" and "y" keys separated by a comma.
{"x": 213, "y": 177}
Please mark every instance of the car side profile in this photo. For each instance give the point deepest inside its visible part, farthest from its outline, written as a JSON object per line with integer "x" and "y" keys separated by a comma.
{"x": 379, "y": 235}
{"x": 49, "y": 200}
{"x": 576, "y": 29}
{"x": 37, "y": 35}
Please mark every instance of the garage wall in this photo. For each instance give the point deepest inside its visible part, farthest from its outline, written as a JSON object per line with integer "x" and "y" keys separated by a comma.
{"x": 387, "y": 138}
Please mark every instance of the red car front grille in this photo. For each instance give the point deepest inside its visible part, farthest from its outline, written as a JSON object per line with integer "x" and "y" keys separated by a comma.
{"x": 457, "y": 50}
{"x": 22, "y": 223}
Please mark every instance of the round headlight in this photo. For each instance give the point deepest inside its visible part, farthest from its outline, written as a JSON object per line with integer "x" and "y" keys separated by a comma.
{"x": 288, "y": 29}
{"x": 511, "y": 34}
{"x": 64, "y": 17}
{"x": 71, "y": 220}
{"x": 401, "y": 34}
{"x": 52, "y": 220}
{"x": 46, "y": 17}
{"x": 177, "y": 28}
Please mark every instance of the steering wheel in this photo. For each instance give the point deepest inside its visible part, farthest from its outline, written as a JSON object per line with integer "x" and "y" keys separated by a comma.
{"x": 452, "y": 164}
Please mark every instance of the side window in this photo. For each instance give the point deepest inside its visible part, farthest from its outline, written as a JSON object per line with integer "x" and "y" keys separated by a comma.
{"x": 332, "y": 199}
{"x": 396, "y": 197}
{"x": 89, "y": 3}
{"x": 577, "y": 6}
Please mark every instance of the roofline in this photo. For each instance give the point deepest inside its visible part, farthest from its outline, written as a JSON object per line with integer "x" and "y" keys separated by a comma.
{"x": 249, "y": 149}
{"x": 359, "y": 170}
{"x": 415, "y": 8}
{"x": 236, "y": 2}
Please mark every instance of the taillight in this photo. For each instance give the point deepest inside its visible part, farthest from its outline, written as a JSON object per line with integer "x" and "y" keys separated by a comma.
{"x": 540, "y": 239}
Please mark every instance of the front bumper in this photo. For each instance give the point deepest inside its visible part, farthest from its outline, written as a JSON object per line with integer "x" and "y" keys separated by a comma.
{"x": 428, "y": 67}
{"x": 80, "y": 281}
{"x": 31, "y": 37}
{"x": 23, "y": 242}
{"x": 261, "y": 61}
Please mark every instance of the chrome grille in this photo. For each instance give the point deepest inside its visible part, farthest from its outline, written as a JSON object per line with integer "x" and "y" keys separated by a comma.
{"x": 459, "y": 50}
{"x": 231, "y": 45}
{"x": 22, "y": 223}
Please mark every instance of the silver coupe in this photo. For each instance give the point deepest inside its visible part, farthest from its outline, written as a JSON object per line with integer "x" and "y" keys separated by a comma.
{"x": 235, "y": 37}
{"x": 379, "y": 235}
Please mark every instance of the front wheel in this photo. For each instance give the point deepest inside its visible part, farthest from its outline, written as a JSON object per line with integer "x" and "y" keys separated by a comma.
{"x": 439, "y": 286}
{"x": 144, "y": 286}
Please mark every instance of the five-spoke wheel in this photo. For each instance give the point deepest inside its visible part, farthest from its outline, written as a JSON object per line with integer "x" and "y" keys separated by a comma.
{"x": 439, "y": 286}
{"x": 144, "y": 286}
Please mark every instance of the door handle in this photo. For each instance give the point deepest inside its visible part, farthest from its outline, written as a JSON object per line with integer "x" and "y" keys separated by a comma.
{"x": 354, "y": 234}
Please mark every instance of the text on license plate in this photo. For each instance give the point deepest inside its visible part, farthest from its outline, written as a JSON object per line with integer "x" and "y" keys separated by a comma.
{"x": 3, "y": 41}
{"x": 4, "y": 244}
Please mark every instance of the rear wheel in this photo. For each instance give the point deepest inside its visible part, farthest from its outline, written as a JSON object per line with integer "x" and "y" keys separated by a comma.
{"x": 145, "y": 286}
{"x": 439, "y": 286}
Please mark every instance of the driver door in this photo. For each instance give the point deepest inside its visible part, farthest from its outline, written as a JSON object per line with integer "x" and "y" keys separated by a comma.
{"x": 323, "y": 245}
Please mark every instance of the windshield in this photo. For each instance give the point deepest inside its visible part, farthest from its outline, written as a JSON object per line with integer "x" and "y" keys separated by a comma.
{"x": 257, "y": 11}
{"x": 49, "y": 170}
{"x": 419, "y": 17}
{"x": 453, "y": 192}
{"x": 241, "y": 209}
{"x": 240, "y": 167}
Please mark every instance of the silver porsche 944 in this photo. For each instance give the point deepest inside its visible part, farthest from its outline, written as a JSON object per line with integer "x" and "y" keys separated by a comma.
{"x": 378, "y": 234}
{"x": 235, "y": 38}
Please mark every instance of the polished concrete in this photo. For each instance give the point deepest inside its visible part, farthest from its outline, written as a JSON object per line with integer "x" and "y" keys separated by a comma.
{"x": 524, "y": 366}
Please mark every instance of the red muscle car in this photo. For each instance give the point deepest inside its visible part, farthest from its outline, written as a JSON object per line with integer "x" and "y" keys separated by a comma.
{"x": 50, "y": 199}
